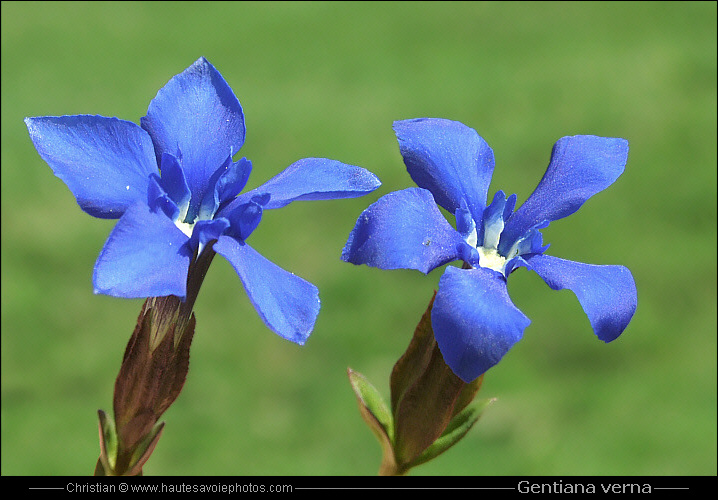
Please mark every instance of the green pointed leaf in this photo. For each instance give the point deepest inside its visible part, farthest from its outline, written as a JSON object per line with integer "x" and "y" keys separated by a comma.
{"x": 457, "y": 429}
{"x": 144, "y": 450}
{"x": 371, "y": 402}
{"x": 108, "y": 445}
{"x": 471, "y": 413}
{"x": 376, "y": 414}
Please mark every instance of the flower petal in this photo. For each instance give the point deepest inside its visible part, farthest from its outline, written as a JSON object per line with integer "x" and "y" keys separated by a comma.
{"x": 245, "y": 218}
{"x": 197, "y": 113}
{"x": 580, "y": 167}
{"x": 224, "y": 185}
{"x": 474, "y": 321}
{"x": 466, "y": 225}
{"x": 158, "y": 199}
{"x": 232, "y": 181}
{"x": 403, "y": 230}
{"x": 205, "y": 231}
{"x": 313, "y": 179}
{"x": 106, "y": 162}
{"x": 449, "y": 159}
{"x": 173, "y": 182}
{"x": 495, "y": 216}
{"x": 606, "y": 293}
{"x": 286, "y": 303}
{"x": 144, "y": 256}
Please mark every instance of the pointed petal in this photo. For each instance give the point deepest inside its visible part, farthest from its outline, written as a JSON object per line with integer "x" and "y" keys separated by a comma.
{"x": 313, "y": 179}
{"x": 403, "y": 230}
{"x": 449, "y": 159}
{"x": 205, "y": 231}
{"x": 224, "y": 185}
{"x": 245, "y": 218}
{"x": 158, "y": 199}
{"x": 475, "y": 323}
{"x": 173, "y": 182}
{"x": 106, "y": 162}
{"x": 494, "y": 217}
{"x": 144, "y": 256}
{"x": 580, "y": 167}
{"x": 196, "y": 114}
{"x": 286, "y": 303}
{"x": 233, "y": 180}
{"x": 606, "y": 293}
{"x": 466, "y": 225}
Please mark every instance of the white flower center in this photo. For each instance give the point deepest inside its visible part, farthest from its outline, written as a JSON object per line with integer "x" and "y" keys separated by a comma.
{"x": 473, "y": 238}
{"x": 489, "y": 257}
{"x": 185, "y": 227}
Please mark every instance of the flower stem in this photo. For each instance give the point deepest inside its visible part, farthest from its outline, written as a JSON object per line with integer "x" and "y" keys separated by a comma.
{"x": 389, "y": 467}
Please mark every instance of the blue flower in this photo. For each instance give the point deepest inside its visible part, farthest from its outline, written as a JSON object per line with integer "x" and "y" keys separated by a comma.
{"x": 173, "y": 184}
{"x": 474, "y": 321}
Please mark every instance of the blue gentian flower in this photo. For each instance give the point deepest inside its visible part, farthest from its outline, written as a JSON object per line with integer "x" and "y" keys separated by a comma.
{"x": 474, "y": 321}
{"x": 173, "y": 184}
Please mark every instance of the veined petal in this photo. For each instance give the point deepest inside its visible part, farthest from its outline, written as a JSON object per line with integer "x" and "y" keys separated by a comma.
{"x": 449, "y": 159}
{"x": 313, "y": 179}
{"x": 106, "y": 162}
{"x": 403, "y": 230}
{"x": 144, "y": 256}
{"x": 606, "y": 293}
{"x": 287, "y": 304}
{"x": 197, "y": 113}
{"x": 580, "y": 167}
{"x": 474, "y": 321}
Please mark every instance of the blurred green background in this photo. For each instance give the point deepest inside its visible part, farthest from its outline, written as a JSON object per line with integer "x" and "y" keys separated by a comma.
{"x": 328, "y": 79}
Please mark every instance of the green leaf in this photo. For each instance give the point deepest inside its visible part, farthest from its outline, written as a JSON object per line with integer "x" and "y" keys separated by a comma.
{"x": 376, "y": 414}
{"x": 370, "y": 401}
{"x": 108, "y": 445}
{"x": 144, "y": 450}
{"x": 457, "y": 429}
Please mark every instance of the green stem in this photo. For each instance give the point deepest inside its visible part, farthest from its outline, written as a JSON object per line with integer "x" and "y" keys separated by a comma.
{"x": 389, "y": 467}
